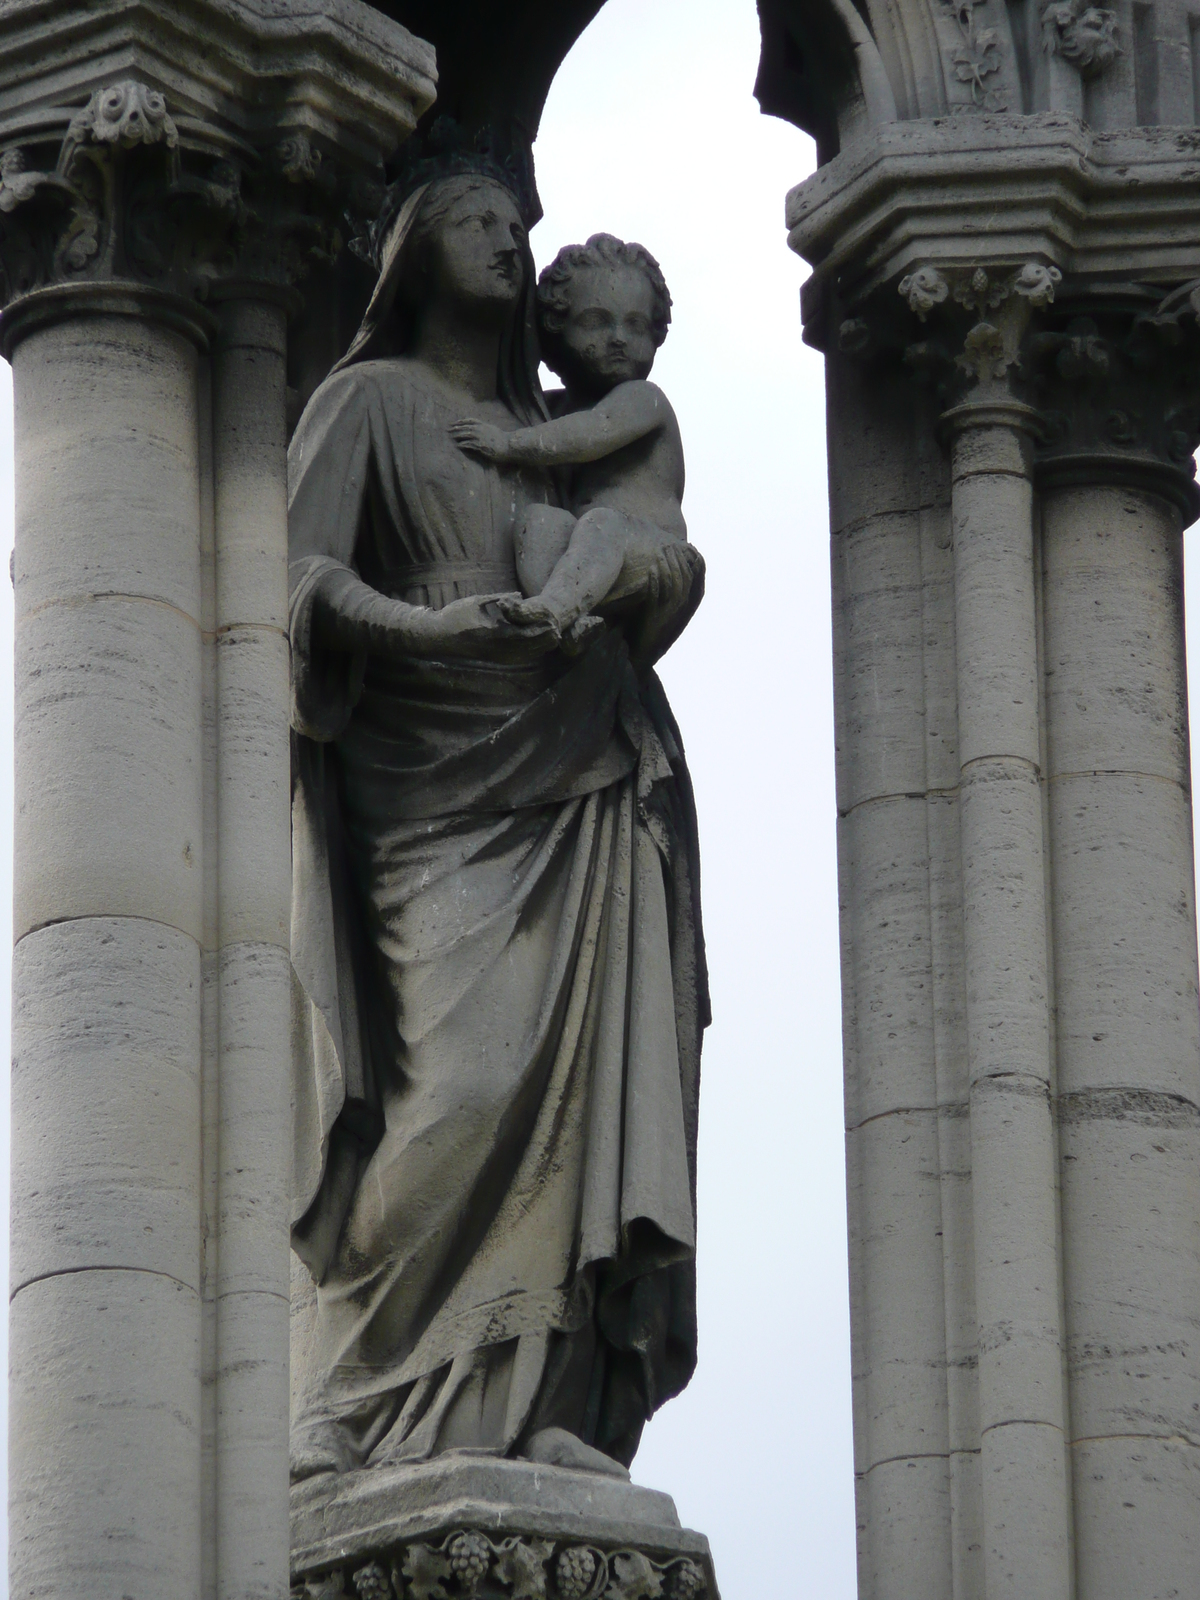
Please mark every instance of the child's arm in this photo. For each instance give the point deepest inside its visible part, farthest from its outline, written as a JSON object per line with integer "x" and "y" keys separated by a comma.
{"x": 629, "y": 412}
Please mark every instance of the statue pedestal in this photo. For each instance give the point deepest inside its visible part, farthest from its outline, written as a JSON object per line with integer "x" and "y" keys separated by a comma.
{"x": 492, "y": 1529}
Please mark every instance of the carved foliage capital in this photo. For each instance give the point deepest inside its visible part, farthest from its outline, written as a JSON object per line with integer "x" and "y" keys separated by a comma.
{"x": 1112, "y": 370}
{"x": 120, "y": 190}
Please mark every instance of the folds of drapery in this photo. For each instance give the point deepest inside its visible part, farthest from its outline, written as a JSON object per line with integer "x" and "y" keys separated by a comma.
{"x": 499, "y": 998}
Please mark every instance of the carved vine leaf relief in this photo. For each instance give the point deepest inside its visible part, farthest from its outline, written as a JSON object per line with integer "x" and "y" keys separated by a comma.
{"x": 978, "y": 56}
{"x": 120, "y": 192}
{"x": 470, "y": 1566}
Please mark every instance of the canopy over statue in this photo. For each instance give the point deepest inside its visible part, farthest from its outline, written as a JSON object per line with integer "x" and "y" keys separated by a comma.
{"x": 496, "y": 934}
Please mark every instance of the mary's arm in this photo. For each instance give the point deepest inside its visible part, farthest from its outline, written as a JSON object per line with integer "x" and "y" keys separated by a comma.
{"x": 328, "y": 465}
{"x": 336, "y": 620}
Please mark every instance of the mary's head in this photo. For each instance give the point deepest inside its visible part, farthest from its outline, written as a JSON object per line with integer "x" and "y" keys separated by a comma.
{"x": 458, "y": 246}
{"x": 468, "y": 249}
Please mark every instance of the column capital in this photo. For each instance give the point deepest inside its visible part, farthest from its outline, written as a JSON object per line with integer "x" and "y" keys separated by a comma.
{"x": 191, "y": 146}
{"x": 1102, "y": 377}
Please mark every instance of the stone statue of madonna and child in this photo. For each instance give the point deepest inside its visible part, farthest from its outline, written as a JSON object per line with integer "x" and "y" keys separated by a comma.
{"x": 500, "y": 981}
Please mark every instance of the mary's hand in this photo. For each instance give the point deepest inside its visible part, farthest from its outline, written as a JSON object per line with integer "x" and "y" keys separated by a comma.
{"x": 474, "y": 628}
{"x": 669, "y": 581}
{"x": 673, "y": 590}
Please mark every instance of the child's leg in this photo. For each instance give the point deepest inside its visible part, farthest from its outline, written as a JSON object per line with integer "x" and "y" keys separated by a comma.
{"x": 541, "y": 540}
{"x": 590, "y": 565}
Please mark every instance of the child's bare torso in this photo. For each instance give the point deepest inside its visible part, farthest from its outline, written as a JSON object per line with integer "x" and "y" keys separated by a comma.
{"x": 644, "y": 479}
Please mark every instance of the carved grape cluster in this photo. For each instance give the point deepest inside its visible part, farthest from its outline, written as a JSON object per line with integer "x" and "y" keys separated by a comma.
{"x": 470, "y": 1556}
{"x": 574, "y": 1571}
{"x": 520, "y": 1568}
{"x": 372, "y": 1583}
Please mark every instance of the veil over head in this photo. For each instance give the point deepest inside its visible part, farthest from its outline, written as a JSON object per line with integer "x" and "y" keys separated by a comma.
{"x": 388, "y": 325}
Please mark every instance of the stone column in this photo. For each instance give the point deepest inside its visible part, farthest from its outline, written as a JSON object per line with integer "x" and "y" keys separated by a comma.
{"x": 1128, "y": 1029}
{"x": 105, "y": 1274}
{"x": 253, "y": 964}
{"x": 1013, "y": 1161}
{"x": 1042, "y": 285}
{"x": 154, "y": 227}
{"x": 893, "y": 608}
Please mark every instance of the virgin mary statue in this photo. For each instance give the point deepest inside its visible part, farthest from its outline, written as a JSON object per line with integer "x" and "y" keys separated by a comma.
{"x": 500, "y": 987}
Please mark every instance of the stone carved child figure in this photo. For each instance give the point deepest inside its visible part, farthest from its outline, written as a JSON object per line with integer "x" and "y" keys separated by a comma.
{"x": 603, "y": 312}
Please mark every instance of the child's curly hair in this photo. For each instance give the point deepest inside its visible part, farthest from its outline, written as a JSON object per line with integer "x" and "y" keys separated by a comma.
{"x": 601, "y": 250}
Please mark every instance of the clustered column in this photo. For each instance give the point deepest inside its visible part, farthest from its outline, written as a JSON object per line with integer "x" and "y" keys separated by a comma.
{"x": 1040, "y": 988}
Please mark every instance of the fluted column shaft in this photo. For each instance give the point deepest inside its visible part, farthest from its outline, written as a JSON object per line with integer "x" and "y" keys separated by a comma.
{"x": 1023, "y": 1469}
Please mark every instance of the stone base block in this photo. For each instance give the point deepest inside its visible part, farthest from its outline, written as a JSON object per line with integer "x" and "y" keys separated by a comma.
{"x": 467, "y": 1527}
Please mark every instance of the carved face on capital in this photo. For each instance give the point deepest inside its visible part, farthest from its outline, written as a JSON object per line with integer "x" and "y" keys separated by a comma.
{"x": 477, "y": 250}
{"x": 607, "y": 336}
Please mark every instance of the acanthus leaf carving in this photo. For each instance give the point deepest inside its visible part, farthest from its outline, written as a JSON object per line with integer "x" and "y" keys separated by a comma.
{"x": 984, "y": 353}
{"x": 127, "y": 114}
{"x": 426, "y": 1570}
{"x": 633, "y": 1577}
{"x": 924, "y": 289}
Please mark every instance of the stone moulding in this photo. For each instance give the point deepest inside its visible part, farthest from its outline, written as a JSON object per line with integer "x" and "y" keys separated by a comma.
{"x": 477, "y": 1528}
{"x": 335, "y": 69}
{"x": 991, "y": 189}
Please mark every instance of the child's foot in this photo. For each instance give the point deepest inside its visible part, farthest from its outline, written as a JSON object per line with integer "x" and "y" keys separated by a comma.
{"x": 532, "y": 613}
{"x": 581, "y": 633}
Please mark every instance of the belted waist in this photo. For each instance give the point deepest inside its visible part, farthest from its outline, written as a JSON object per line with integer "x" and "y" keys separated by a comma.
{"x": 497, "y": 576}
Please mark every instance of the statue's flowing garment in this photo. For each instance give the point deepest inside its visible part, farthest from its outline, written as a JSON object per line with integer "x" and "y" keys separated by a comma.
{"x": 500, "y": 986}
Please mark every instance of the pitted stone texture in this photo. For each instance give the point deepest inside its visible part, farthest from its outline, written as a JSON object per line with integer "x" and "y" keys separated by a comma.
{"x": 343, "y": 1523}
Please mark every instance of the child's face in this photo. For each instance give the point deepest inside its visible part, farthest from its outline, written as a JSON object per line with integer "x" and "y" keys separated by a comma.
{"x": 608, "y": 334}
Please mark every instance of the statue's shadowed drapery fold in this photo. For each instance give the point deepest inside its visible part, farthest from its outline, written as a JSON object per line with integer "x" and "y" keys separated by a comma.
{"x": 500, "y": 983}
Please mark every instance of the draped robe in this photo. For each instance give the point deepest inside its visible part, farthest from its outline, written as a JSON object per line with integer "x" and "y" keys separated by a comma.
{"x": 499, "y": 983}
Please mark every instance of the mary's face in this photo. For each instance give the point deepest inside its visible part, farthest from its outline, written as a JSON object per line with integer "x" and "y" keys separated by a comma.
{"x": 477, "y": 255}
